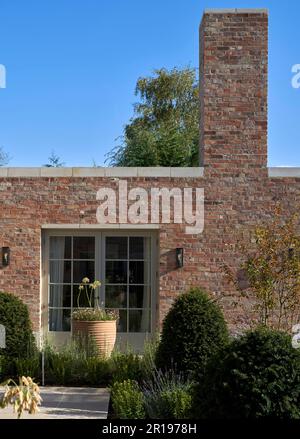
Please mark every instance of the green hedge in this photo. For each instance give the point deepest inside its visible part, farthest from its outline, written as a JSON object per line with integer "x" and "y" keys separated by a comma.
{"x": 257, "y": 375}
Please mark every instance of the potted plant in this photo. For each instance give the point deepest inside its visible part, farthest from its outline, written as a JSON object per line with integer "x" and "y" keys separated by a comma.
{"x": 94, "y": 321}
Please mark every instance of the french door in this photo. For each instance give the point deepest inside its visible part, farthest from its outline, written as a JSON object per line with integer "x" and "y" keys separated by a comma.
{"x": 124, "y": 263}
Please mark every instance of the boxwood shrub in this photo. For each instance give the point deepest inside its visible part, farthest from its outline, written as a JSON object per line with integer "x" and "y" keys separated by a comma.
{"x": 193, "y": 330}
{"x": 256, "y": 376}
{"x": 14, "y": 316}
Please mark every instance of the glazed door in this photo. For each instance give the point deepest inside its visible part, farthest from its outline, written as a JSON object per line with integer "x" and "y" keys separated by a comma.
{"x": 70, "y": 259}
{"x": 128, "y": 286}
{"x": 124, "y": 265}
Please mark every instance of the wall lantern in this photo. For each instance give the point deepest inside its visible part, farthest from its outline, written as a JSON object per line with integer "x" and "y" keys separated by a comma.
{"x": 5, "y": 256}
{"x": 179, "y": 257}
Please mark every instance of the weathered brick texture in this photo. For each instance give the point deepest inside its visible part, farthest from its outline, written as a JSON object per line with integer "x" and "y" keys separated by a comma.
{"x": 238, "y": 192}
{"x": 233, "y": 90}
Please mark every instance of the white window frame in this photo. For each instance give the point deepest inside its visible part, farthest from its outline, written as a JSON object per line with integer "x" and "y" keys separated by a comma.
{"x": 134, "y": 339}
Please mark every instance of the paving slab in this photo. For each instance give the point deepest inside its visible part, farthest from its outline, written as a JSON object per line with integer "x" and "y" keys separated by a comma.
{"x": 67, "y": 403}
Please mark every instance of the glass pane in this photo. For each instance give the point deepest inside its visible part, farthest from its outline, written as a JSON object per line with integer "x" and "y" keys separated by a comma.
{"x": 139, "y": 321}
{"x": 116, "y": 247}
{"x": 83, "y": 269}
{"x": 60, "y": 272}
{"x": 59, "y": 320}
{"x": 116, "y": 272}
{"x": 60, "y": 247}
{"x": 139, "y": 296}
{"x": 136, "y": 272}
{"x": 84, "y": 247}
{"x": 136, "y": 248}
{"x": 60, "y": 296}
{"x": 122, "y": 321}
{"x": 116, "y": 296}
{"x": 81, "y": 299}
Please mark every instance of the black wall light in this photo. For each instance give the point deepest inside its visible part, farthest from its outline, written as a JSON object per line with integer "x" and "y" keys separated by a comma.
{"x": 179, "y": 257}
{"x": 5, "y": 256}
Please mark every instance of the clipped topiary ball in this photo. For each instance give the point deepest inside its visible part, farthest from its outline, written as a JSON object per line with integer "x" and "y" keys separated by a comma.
{"x": 193, "y": 330}
{"x": 14, "y": 316}
{"x": 257, "y": 375}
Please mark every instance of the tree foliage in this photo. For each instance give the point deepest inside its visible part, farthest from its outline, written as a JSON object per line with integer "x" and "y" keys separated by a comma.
{"x": 272, "y": 268}
{"x": 54, "y": 161}
{"x": 4, "y": 157}
{"x": 164, "y": 130}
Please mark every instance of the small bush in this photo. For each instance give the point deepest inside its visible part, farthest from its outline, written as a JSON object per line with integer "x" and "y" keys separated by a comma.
{"x": 14, "y": 316}
{"x": 127, "y": 400}
{"x": 27, "y": 367}
{"x": 167, "y": 396}
{"x": 148, "y": 358}
{"x": 126, "y": 366}
{"x": 193, "y": 330}
{"x": 257, "y": 375}
{"x": 58, "y": 368}
{"x": 76, "y": 363}
{"x": 2, "y": 368}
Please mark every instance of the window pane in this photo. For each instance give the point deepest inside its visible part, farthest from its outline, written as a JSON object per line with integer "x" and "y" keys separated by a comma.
{"x": 60, "y": 296}
{"x": 139, "y": 321}
{"x": 136, "y": 272}
{"x": 122, "y": 321}
{"x": 84, "y": 247}
{"x": 59, "y": 320}
{"x": 116, "y": 247}
{"x": 116, "y": 296}
{"x": 83, "y": 269}
{"x": 60, "y": 247}
{"x": 116, "y": 272}
{"x": 81, "y": 299}
{"x": 60, "y": 272}
{"x": 136, "y": 248}
{"x": 139, "y": 296}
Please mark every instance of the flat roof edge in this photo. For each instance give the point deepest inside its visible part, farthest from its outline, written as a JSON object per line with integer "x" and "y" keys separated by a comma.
{"x": 121, "y": 172}
{"x": 237, "y": 11}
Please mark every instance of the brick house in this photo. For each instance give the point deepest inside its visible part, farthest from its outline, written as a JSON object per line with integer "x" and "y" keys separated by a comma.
{"x": 49, "y": 220}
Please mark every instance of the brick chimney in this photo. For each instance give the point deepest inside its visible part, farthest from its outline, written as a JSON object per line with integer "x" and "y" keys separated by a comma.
{"x": 233, "y": 89}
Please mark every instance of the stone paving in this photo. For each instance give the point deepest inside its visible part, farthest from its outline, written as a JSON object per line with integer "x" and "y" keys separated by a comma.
{"x": 67, "y": 403}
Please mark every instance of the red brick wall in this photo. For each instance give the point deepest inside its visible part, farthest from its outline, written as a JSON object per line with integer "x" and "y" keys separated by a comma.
{"x": 233, "y": 205}
{"x": 238, "y": 192}
{"x": 233, "y": 90}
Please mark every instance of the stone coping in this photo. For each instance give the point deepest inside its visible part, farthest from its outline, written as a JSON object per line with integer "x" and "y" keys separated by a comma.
{"x": 237, "y": 11}
{"x": 284, "y": 172}
{"x": 154, "y": 172}
{"x": 127, "y": 172}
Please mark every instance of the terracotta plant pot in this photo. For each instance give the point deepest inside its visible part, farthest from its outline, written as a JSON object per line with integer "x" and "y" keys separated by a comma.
{"x": 103, "y": 332}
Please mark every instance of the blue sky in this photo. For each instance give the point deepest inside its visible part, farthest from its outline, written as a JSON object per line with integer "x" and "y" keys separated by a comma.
{"x": 72, "y": 66}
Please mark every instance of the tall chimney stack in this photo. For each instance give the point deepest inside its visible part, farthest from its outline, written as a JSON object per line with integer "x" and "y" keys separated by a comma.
{"x": 233, "y": 89}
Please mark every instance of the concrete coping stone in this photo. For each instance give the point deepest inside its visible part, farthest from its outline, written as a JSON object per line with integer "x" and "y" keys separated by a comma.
{"x": 284, "y": 172}
{"x": 128, "y": 172}
{"x": 121, "y": 172}
{"x": 237, "y": 11}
